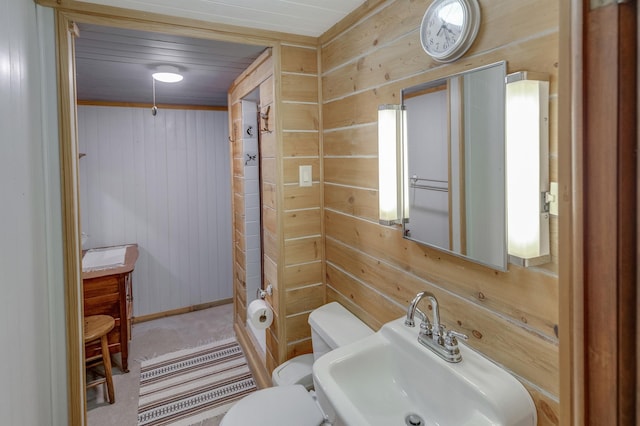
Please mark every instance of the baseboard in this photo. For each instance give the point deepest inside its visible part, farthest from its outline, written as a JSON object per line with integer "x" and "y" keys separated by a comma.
{"x": 260, "y": 373}
{"x": 143, "y": 318}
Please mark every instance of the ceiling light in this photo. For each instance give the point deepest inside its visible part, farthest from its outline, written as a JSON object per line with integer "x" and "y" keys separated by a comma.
{"x": 167, "y": 74}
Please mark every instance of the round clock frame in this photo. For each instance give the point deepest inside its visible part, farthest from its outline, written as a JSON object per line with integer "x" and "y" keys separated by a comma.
{"x": 440, "y": 38}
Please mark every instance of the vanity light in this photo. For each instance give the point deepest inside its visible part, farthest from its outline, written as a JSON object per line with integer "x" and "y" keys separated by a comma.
{"x": 391, "y": 161}
{"x": 167, "y": 74}
{"x": 527, "y": 140}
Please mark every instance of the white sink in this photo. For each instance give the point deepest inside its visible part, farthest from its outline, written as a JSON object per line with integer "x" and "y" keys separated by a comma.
{"x": 382, "y": 379}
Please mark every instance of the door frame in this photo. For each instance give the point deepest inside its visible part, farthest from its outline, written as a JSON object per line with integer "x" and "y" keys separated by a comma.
{"x": 67, "y": 14}
{"x": 598, "y": 219}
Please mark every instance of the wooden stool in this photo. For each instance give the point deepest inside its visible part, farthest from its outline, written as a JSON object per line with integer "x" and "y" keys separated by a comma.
{"x": 96, "y": 327}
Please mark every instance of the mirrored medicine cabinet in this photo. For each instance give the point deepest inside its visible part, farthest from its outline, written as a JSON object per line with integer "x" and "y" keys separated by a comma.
{"x": 455, "y": 142}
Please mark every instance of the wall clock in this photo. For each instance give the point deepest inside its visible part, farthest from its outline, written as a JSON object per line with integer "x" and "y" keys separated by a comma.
{"x": 449, "y": 28}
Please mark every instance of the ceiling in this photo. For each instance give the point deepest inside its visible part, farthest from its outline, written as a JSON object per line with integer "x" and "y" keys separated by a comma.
{"x": 115, "y": 65}
{"x": 303, "y": 17}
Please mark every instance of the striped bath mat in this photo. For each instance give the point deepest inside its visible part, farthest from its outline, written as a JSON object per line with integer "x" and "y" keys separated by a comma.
{"x": 188, "y": 386}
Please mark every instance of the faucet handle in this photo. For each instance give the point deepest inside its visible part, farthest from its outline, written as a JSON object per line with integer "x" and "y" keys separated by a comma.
{"x": 426, "y": 329}
{"x": 451, "y": 335}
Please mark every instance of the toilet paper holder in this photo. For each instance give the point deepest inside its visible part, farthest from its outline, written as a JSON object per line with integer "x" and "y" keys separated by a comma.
{"x": 262, "y": 294}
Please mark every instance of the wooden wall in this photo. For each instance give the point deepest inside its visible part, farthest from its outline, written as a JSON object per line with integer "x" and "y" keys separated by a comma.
{"x": 303, "y": 287}
{"x": 260, "y": 75}
{"x": 288, "y": 81}
{"x": 323, "y": 243}
{"x": 158, "y": 181}
{"x": 511, "y": 317}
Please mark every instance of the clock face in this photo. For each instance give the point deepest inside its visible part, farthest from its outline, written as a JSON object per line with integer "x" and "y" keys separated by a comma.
{"x": 449, "y": 28}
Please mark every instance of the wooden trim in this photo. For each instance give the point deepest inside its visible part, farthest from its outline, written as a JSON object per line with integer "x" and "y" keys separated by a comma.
{"x": 148, "y": 105}
{"x": 179, "y": 311}
{"x": 570, "y": 184}
{"x": 68, "y": 12}
{"x": 258, "y": 368}
{"x": 264, "y": 56}
{"x": 116, "y": 16}
{"x": 610, "y": 179}
{"x": 321, "y": 154}
{"x": 598, "y": 234}
{"x": 627, "y": 215}
{"x": 70, "y": 221}
{"x": 282, "y": 302}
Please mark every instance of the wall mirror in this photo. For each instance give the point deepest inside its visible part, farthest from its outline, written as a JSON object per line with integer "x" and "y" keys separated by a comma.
{"x": 455, "y": 142}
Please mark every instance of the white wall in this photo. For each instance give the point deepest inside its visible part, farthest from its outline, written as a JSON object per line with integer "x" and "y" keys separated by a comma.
{"x": 162, "y": 182}
{"x": 32, "y": 356}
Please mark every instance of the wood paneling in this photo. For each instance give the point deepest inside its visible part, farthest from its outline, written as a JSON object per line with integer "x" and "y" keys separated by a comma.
{"x": 302, "y": 250}
{"x": 353, "y": 201}
{"x": 304, "y": 299}
{"x": 297, "y": 116}
{"x": 301, "y": 223}
{"x": 300, "y": 144}
{"x": 298, "y": 327}
{"x": 162, "y": 182}
{"x": 352, "y": 141}
{"x": 299, "y": 348}
{"x": 299, "y": 60}
{"x": 259, "y": 75}
{"x": 512, "y": 316}
{"x": 301, "y": 197}
{"x": 303, "y": 274}
{"x": 359, "y": 172}
{"x": 300, "y": 88}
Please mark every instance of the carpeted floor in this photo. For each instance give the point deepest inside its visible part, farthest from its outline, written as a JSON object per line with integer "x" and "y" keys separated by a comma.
{"x": 149, "y": 340}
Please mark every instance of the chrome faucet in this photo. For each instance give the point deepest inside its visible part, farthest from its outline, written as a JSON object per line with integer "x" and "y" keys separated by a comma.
{"x": 432, "y": 333}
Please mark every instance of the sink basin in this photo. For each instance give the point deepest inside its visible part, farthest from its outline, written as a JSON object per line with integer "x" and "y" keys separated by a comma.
{"x": 388, "y": 376}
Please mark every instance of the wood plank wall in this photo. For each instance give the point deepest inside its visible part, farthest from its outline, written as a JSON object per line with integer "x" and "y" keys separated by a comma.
{"x": 511, "y": 317}
{"x": 288, "y": 81}
{"x": 303, "y": 285}
{"x": 253, "y": 77}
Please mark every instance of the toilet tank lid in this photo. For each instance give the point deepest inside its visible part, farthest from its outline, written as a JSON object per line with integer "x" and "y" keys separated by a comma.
{"x": 337, "y": 326}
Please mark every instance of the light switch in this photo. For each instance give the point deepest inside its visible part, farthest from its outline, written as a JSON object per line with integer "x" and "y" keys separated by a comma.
{"x": 305, "y": 176}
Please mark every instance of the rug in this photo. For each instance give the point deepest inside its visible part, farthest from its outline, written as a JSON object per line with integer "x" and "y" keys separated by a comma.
{"x": 191, "y": 385}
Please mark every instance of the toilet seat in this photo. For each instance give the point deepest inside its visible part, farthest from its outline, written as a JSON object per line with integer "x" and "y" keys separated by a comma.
{"x": 289, "y": 405}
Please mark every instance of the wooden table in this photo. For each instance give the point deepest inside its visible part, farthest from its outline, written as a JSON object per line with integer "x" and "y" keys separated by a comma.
{"x": 108, "y": 292}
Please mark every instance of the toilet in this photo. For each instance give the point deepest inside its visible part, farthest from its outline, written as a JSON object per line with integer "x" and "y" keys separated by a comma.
{"x": 292, "y": 402}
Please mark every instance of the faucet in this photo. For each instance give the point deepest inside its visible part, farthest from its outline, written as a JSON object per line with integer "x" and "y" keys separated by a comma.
{"x": 432, "y": 333}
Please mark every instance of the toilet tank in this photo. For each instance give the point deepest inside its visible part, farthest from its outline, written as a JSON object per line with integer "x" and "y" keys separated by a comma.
{"x": 333, "y": 326}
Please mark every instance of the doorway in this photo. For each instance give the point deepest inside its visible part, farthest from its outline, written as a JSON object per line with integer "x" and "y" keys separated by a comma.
{"x": 67, "y": 30}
